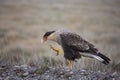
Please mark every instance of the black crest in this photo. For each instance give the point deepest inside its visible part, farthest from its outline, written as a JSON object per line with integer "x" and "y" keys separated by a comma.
{"x": 48, "y": 33}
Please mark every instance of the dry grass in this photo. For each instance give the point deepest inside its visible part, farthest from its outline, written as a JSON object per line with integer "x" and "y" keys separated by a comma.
{"x": 23, "y": 22}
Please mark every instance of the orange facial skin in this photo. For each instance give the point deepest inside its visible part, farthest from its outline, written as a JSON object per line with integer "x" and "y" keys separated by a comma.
{"x": 45, "y": 38}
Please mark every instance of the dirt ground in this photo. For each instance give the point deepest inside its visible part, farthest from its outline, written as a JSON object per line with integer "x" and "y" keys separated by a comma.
{"x": 23, "y": 23}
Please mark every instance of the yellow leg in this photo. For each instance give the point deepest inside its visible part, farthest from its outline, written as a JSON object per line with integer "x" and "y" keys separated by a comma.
{"x": 59, "y": 51}
{"x": 70, "y": 64}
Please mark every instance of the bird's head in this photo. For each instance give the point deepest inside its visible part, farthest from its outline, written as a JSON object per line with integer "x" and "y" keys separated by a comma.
{"x": 48, "y": 36}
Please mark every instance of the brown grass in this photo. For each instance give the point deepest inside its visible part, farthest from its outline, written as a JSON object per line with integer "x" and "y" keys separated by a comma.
{"x": 22, "y": 24}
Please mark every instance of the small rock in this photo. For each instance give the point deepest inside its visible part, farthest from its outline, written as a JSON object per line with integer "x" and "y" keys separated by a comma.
{"x": 16, "y": 66}
{"x": 47, "y": 71}
{"x": 1, "y": 78}
{"x": 25, "y": 74}
{"x": 113, "y": 79}
{"x": 61, "y": 76}
{"x": 24, "y": 66}
{"x": 71, "y": 72}
{"x": 47, "y": 76}
{"x": 53, "y": 68}
{"x": 68, "y": 70}
{"x": 115, "y": 73}
{"x": 83, "y": 70}
{"x": 7, "y": 78}
{"x": 69, "y": 77}
{"x": 61, "y": 72}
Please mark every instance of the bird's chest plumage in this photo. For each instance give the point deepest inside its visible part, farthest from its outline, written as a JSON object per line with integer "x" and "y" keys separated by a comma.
{"x": 67, "y": 40}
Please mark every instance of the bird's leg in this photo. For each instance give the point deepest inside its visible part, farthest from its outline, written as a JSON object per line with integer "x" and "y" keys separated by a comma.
{"x": 59, "y": 51}
{"x": 70, "y": 64}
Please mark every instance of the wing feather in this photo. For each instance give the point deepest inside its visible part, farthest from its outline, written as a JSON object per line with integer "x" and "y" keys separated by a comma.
{"x": 77, "y": 43}
{"x": 73, "y": 44}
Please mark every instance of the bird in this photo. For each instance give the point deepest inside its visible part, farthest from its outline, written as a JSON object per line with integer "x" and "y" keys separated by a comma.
{"x": 74, "y": 46}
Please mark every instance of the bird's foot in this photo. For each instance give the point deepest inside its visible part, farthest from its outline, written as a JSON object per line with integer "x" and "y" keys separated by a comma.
{"x": 56, "y": 50}
{"x": 70, "y": 65}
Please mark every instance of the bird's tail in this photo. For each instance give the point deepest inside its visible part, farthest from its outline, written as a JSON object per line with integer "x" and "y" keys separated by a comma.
{"x": 102, "y": 58}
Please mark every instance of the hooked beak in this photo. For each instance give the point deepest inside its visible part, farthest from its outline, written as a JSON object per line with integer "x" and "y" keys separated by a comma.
{"x": 43, "y": 39}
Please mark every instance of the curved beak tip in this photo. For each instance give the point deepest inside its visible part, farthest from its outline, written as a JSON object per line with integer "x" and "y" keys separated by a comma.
{"x": 42, "y": 40}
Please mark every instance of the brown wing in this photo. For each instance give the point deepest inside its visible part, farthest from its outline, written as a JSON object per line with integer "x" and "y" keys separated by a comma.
{"x": 76, "y": 43}
{"x": 73, "y": 44}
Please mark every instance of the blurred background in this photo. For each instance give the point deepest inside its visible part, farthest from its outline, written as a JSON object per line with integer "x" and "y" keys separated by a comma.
{"x": 23, "y": 23}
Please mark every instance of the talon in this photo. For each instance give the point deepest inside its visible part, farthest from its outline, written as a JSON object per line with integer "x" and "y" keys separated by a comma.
{"x": 55, "y": 49}
{"x": 59, "y": 51}
{"x": 70, "y": 65}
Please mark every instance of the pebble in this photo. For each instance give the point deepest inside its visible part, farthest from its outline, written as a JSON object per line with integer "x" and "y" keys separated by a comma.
{"x": 115, "y": 73}
{"x": 71, "y": 72}
{"x": 47, "y": 71}
{"x": 17, "y": 66}
{"x": 25, "y": 66}
{"x": 25, "y": 74}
